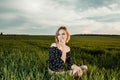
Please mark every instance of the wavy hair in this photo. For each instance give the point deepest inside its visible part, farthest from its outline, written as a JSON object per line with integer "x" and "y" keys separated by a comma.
{"x": 65, "y": 29}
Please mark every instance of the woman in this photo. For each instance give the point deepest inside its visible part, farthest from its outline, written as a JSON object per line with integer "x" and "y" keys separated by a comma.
{"x": 59, "y": 54}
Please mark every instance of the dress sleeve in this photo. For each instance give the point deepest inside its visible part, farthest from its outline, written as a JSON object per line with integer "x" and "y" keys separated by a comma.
{"x": 55, "y": 61}
{"x": 69, "y": 59}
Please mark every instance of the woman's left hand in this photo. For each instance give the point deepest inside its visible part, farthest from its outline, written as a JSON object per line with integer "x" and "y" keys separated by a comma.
{"x": 77, "y": 71}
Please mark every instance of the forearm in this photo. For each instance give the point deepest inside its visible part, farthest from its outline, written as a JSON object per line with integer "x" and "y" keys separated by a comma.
{"x": 63, "y": 57}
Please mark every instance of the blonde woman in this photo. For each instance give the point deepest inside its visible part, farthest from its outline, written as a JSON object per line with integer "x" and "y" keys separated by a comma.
{"x": 59, "y": 54}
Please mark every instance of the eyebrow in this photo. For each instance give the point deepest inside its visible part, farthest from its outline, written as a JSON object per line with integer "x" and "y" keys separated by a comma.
{"x": 62, "y": 33}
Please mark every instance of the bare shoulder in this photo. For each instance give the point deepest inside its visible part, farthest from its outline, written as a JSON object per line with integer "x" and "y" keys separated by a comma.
{"x": 68, "y": 48}
{"x": 53, "y": 45}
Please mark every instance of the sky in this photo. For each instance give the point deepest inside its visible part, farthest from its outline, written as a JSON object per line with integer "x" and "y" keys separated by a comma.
{"x": 44, "y": 17}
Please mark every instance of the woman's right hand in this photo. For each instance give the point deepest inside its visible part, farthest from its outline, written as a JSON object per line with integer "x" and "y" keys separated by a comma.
{"x": 63, "y": 45}
{"x": 62, "y": 42}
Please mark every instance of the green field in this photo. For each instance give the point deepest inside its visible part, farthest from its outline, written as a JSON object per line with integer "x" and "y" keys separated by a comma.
{"x": 25, "y": 57}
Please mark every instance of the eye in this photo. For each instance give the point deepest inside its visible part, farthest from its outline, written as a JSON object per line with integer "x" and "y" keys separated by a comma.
{"x": 63, "y": 33}
{"x": 58, "y": 34}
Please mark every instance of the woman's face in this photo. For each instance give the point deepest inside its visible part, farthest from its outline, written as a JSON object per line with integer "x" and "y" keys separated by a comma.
{"x": 62, "y": 35}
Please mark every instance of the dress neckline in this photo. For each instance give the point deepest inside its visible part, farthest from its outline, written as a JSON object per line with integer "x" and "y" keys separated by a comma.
{"x": 59, "y": 49}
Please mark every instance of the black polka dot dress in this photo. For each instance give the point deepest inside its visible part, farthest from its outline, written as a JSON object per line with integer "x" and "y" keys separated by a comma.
{"x": 55, "y": 61}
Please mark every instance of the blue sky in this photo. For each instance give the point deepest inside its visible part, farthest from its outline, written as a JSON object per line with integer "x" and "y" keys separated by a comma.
{"x": 43, "y": 17}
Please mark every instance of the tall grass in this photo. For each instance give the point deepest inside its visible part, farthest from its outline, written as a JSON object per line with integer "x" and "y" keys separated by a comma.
{"x": 26, "y": 57}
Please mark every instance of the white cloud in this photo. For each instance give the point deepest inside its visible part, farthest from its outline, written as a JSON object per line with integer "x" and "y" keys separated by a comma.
{"x": 102, "y": 11}
{"x": 114, "y": 6}
{"x": 47, "y": 14}
{"x": 7, "y": 16}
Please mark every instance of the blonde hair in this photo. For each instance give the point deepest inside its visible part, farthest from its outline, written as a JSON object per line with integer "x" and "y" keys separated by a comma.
{"x": 65, "y": 29}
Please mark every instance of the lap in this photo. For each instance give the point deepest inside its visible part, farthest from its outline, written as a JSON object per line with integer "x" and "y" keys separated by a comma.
{"x": 70, "y": 72}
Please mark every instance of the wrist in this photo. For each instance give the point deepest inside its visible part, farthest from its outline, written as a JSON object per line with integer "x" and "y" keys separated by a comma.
{"x": 73, "y": 66}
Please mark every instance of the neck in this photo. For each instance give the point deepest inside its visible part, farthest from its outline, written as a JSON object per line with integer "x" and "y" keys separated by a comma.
{"x": 60, "y": 45}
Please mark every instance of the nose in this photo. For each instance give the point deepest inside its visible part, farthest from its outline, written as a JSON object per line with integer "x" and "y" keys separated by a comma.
{"x": 61, "y": 36}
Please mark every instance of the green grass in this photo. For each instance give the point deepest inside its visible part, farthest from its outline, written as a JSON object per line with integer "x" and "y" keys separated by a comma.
{"x": 25, "y": 57}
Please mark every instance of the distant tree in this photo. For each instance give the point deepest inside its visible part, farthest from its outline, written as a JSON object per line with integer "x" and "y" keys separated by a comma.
{"x": 1, "y": 33}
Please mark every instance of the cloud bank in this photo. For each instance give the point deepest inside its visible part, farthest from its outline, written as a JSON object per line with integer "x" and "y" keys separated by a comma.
{"x": 43, "y": 17}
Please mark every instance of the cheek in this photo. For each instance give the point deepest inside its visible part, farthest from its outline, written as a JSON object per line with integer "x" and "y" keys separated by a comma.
{"x": 65, "y": 36}
{"x": 58, "y": 37}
